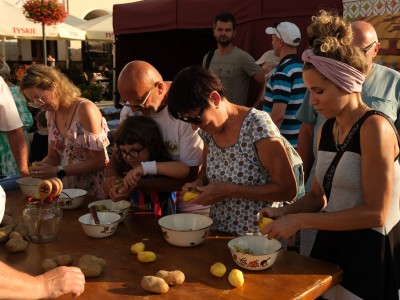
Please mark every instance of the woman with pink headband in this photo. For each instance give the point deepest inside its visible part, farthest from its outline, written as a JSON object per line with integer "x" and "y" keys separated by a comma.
{"x": 355, "y": 197}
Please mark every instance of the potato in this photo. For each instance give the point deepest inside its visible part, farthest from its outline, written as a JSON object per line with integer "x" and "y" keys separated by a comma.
{"x": 8, "y": 220}
{"x": 172, "y": 277}
{"x": 264, "y": 221}
{"x": 236, "y": 278}
{"x": 154, "y": 284}
{"x": 5, "y": 232}
{"x": 63, "y": 260}
{"x": 146, "y": 256}
{"x": 189, "y": 195}
{"x": 91, "y": 266}
{"x": 22, "y": 230}
{"x": 16, "y": 243}
{"x": 137, "y": 247}
{"x": 218, "y": 269}
{"x": 49, "y": 264}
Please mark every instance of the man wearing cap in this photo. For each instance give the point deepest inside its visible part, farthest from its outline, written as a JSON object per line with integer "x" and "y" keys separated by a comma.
{"x": 268, "y": 61}
{"x": 285, "y": 89}
{"x": 233, "y": 66}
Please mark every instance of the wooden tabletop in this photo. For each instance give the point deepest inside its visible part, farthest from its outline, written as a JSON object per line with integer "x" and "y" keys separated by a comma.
{"x": 291, "y": 277}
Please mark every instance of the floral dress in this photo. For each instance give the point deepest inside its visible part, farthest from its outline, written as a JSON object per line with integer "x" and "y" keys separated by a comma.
{"x": 74, "y": 149}
{"x": 7, "y": 161}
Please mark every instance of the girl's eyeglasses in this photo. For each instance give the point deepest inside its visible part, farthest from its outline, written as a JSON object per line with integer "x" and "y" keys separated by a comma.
{"x": 133, "y": 153}
{"x": 36, "y": 103}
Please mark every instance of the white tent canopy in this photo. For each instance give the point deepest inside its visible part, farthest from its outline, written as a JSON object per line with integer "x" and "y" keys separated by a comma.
{"x": 14, "y": 25}
{"x": 99, "y": 29}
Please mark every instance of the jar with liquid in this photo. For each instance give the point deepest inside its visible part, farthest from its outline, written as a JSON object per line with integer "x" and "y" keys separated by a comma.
{"x": 43, "y": 220}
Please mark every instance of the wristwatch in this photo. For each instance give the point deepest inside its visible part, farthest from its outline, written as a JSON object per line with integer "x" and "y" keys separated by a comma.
{"x": 61, "y": 172}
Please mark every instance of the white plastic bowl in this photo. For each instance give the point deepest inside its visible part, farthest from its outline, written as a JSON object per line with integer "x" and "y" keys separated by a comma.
{"x": 29, "y": 185}
{"x": 71, "y": 198}
{"x": 108, "y": 224}
{"x": 119, "y": 207}
{"x": 254, "y": 252}
{"x": 185, "y": 230}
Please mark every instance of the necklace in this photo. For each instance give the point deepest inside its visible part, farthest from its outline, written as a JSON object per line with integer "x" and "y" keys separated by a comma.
{"x": 337, "y": 128}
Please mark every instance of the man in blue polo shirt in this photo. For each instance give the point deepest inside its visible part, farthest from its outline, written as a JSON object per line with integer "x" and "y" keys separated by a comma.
{"x": 285, "y": 89}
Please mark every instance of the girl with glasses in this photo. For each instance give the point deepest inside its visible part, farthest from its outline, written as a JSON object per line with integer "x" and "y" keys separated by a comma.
{"x": 140, "y": 152}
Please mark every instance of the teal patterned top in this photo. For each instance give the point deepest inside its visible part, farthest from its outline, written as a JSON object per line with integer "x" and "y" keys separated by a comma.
{"x": 7, "y": 161}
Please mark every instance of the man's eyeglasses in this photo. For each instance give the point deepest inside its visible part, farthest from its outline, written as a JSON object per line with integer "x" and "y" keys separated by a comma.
{"x": 139, "y": 107}
{"x": 36, "y": 103}
{"x": 367, "y": 48}
{"x": 134, "y": 153}
{"x": 196, "y": 120}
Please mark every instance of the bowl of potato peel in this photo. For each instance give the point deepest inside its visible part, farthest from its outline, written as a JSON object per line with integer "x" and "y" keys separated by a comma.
{"x": 185, "y": 230}
{"x": 254, "y": 252}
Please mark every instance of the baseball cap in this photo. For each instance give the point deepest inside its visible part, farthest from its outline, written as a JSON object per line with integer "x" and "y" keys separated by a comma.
{"x": 288, "y": 32}
{"x": 269, "y": 57}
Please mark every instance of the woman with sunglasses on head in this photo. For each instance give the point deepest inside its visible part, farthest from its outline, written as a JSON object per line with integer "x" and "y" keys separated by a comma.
{"x": 247, "y": 163}
{"x": 77, "y": 131}
{"x": 141, "y": 153}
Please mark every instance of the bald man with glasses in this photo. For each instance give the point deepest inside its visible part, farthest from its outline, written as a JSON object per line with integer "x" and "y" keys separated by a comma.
{"x": 144, "y": 91}
{"x": 380, "y": 91}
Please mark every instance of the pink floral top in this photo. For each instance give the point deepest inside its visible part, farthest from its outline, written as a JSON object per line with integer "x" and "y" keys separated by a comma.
{"x": 75, "y": 148}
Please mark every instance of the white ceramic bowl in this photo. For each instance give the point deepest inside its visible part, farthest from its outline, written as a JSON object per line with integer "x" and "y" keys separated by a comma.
{"x": 185, "y": 230}
{"x": 254, "y": 252}
{"x": 71, "y": 198}
{"x": 29, "y": 185}
{"x": 108, "y": 224}
{"x": 119, "y": 207}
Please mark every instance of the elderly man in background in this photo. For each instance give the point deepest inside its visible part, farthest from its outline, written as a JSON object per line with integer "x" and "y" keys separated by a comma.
{"x": 380, "y": 91}
{"x": 142, "y": 88}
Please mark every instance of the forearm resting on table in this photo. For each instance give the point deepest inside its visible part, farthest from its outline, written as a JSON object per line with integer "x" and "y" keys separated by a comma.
{"x": 18, "y": 285}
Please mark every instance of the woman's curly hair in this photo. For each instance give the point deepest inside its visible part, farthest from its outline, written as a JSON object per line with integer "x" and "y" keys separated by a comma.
{"x": 48, "y": 78}
{"x": 331, "y": 36}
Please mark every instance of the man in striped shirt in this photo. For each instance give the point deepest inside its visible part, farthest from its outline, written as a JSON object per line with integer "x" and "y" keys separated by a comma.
{"x": 285, "y": 89}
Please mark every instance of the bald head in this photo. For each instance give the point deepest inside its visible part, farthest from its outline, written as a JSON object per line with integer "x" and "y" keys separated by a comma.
{"x": 136, "y": 78}
{"x": 363, "y": 33}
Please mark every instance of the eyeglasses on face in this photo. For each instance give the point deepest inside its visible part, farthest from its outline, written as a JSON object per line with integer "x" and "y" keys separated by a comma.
{"x": 196, "y": 120}
{"x": 367, "y": 48}
{"x": 140, "y": 106}
{"x": 133, "y": 153}
{"x": 36, "y": 103}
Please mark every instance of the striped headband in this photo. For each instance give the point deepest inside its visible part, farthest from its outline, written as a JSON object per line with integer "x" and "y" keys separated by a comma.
{"x": 343, "y": 75}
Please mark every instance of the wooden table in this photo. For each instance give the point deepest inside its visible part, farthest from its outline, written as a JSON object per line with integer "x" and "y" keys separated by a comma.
{"x": 291, "y": 277}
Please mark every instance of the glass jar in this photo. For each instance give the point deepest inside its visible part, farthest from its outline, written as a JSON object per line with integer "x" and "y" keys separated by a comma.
{"x": 43, "y": 220}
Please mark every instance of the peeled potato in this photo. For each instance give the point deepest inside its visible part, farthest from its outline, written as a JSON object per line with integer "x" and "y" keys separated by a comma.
{"x": 189, "y": 195}
{"x": 146, "y": 256}
{"x": 218, "y": 269}
{"x": 137, "y": 247}
{"x": 236, "y": 278}
{"x": 264, "y": 221}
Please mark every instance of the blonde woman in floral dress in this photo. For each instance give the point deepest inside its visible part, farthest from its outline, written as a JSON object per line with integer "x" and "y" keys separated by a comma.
{"x": 77, "y": 131}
